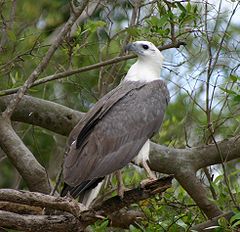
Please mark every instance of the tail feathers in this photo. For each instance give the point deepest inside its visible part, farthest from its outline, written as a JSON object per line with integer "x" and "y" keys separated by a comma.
{"x": 79, "y": 190}
{"x": 90, "y": 195}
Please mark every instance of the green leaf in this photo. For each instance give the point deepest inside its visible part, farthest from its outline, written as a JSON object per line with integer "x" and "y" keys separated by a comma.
{"x": 11, "y": 35}
{"x": 133, "y": 229}
{"x": 228, "y": 91}
{"x": 195, "y": 9}
{"x": 235, "y": 217}
{"x": 182, "y": 16}
{"x": 181, "y": 223}
{"x": 236, "y": 98}
{"x": 188, "y": 7}
{"x": 163, "y": 20}
{"x": 181, "y": 7}
{"x": 171, "y": 15}
{"x": 223, "y": 222}
{"x": 236, "y": 224}
{"x": 233, "y": 78}
{"x": 154, "y": 21}
{"x": 218, "y": 179}
{"x": 133, "y": 31}
{"x": 92, "y": 26}
{"x": 161, "y": 8}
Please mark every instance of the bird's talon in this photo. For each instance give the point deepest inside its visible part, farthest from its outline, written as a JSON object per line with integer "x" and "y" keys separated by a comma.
{"x": 121, "y": 192}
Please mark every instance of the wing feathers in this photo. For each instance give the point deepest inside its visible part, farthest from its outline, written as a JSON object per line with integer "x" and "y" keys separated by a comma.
{"x": 115, "y": 130}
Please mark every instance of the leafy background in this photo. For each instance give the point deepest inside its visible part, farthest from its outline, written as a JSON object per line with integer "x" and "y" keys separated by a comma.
{"x": 207, "y": 67}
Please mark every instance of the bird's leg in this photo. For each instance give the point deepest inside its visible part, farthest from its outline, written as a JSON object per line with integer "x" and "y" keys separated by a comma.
{"x": 120, "y": 184}
{"x": 150, "y": 173}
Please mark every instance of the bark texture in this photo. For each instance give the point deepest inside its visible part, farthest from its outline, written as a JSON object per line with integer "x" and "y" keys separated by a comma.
{"x": 49, "y": 213}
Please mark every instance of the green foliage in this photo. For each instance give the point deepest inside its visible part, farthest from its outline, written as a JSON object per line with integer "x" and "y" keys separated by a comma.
{"x": 100, "y": 37}
{"x": 92, "y": 26}
{"x": 101, "y": 226}
{"x": 233, "y": 93}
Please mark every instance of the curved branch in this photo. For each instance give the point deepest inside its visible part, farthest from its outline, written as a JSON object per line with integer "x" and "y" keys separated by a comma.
{"x": 23, "y": 160}
{"x": 184, "y": 163}
{"x": 193, "y": 158}
{"x": 195, "y": 189}
{"x": 46, "y": 114}
{"x": 229, "y": 150}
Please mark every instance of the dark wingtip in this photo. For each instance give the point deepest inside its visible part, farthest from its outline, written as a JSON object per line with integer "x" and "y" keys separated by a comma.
{"x": 81, "y": 188}
{"x": 66, "y": 188}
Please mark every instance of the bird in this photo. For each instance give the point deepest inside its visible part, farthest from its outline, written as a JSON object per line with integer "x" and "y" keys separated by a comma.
{"x": 118, "y": 127}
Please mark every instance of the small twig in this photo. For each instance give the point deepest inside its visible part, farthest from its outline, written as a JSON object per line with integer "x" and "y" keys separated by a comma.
{"x": 172, "y": 23}
{"x": 58, "y": 182}
{"x": 108, "y": 81}
{"x": 12, "y": 14}
{"x": 72, "y": 7}
{"x": 3, "y": 158}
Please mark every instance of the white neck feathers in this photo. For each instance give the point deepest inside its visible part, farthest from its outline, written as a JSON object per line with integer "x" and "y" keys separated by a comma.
{"x": 145, "y": 70}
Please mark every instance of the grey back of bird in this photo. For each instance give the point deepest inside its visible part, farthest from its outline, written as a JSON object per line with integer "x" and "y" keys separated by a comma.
{"x": 112, "y": 133}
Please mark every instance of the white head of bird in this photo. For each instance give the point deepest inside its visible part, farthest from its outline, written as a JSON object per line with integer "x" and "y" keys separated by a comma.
{"x": 149, "y": 63}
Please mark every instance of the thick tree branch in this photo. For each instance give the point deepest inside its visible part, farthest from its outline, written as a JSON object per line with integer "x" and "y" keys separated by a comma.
{"x": 39, "y": 223}
{"x": 40, "y": 200}
{"x": 195, "y": 189}
{"x": 78, "y": 218}
{"x": 150, "y": 189}
{"x": 195, "y": 158}
{"x": 23, "y": 160}
{"x": 46, "y": 114}
{"x": 124, "y": 218}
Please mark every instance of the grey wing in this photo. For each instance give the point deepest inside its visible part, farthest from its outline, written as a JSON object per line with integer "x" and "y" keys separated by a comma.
{"x": 118, "y": 136}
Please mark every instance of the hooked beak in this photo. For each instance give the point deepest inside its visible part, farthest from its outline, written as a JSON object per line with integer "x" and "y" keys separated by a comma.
{"x": 130, "y": 47}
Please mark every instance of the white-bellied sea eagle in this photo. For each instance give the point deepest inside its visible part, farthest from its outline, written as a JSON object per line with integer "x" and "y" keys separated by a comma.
{"x": 114, "y": 131}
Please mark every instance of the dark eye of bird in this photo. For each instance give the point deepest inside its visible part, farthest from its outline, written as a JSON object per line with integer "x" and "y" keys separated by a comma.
{"x": 145, "y": 46}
